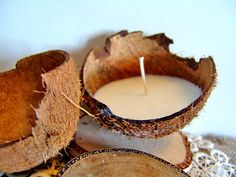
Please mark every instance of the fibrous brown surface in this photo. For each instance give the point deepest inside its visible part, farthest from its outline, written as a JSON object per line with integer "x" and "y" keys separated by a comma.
{"x": 35, "y": 117}
{"x": 21, "y": 91}
{"x": 118, "y": 59}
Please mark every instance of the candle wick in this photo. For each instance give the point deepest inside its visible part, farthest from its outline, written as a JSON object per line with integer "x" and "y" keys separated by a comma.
{"x": 142, "y": 70}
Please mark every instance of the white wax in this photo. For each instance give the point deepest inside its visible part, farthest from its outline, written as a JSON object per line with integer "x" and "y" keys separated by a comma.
{"x": 166, "y": 95}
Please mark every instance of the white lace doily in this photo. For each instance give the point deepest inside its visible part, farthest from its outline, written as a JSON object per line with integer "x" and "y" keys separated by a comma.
{"x": 207, "y": 161}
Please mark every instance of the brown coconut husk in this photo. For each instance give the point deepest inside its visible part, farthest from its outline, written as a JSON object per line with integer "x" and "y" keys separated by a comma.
{"x": 48, "y": 119}
{"x": 119, "y": 162}
{"x": 118, "y": 59}
{"x": 188, "y": 156}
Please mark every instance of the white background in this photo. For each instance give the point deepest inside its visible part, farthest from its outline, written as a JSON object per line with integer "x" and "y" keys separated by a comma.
{"x": 199, "y": 28}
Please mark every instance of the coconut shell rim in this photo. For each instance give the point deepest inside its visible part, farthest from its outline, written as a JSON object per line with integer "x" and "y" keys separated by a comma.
{"x": 113, "y": 150}
{"x": 188, "y": 155}
{"x": 67, "y": 57}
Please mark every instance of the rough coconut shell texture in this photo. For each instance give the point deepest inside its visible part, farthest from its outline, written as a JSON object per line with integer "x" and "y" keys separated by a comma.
{"x": 54, "y": 118}
{"x": 118, "y": 59}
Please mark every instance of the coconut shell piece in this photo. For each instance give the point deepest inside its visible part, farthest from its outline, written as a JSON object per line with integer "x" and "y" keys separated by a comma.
{"x": 119, "y": 162}
{"x": 118, "y": 59}
{"x": 37, "y": 93}
{"x": 173, "y": 148}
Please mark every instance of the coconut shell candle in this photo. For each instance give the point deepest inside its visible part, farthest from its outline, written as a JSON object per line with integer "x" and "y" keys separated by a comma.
{"x": 36, "y": 119}
{"x": 118, "y": 61}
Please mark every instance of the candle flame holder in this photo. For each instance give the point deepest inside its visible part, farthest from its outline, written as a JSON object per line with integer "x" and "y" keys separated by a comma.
{"x": 118, "y": 59}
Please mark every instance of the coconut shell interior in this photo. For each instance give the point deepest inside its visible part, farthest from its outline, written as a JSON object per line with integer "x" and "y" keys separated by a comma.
{"x": 37, "y": 116}
{"x": 118, "y": 59}
{"x": 21, "y": 91}
{"x": 173, "y": 148}
{"x": 119, "y": 162}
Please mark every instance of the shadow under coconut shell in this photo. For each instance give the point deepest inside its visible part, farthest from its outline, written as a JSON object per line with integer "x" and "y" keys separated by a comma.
{"x": 119, "y": 162}
{"x": 97, "y": 40}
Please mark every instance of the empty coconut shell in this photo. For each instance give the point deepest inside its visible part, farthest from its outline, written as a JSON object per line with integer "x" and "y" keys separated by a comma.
{"x": 36, "y": 117}
{"x": 117, "y": 163}
{"x": 118, "y": 59}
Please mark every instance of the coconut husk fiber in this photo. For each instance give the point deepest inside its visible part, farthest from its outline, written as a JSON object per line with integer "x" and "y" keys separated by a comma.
{"x": 118, "y": 59}
{"x": 36, "y": 119}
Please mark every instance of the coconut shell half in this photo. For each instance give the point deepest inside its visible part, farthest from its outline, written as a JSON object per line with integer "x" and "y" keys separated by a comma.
{"x": 37, "y": 93}
{"x": 118, "y": 59}
{"x": 173, "y": 148}
{"x": 117, "y": 163}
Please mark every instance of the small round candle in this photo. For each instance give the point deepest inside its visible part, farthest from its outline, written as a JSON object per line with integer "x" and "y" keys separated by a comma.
{"x": 165, "y": 96}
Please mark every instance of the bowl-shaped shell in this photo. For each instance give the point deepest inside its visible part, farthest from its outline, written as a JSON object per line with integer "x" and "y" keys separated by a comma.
{"x": 41, "y": 92}
{"x": 118, "y": 59}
